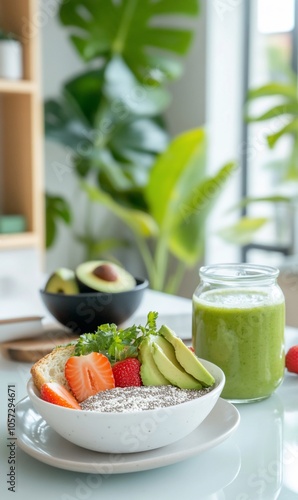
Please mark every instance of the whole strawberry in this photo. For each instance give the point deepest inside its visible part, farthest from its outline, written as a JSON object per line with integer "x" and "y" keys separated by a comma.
{"x": 127, "y": 373}
{"x": 292, "y": 359}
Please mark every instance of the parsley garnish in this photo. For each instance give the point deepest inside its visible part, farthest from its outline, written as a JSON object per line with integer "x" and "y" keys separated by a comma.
{"x": 117, "y": 344}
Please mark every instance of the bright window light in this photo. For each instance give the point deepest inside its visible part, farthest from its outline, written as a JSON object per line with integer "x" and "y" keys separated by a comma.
{"x": 276, "y": 16}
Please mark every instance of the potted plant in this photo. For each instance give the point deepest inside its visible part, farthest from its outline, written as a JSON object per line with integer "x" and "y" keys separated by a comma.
{"x": 111, "y": 120}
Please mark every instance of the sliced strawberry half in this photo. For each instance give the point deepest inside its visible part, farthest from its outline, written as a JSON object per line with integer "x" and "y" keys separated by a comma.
{"x": 55, "y": 393}
{"x": 89, "y": 374}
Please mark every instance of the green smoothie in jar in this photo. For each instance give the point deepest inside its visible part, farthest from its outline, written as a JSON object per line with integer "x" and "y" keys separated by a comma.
{"x": 238, "y": 324}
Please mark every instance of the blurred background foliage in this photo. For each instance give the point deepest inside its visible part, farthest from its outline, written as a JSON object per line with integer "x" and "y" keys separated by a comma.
{"x": 111, "y": 117}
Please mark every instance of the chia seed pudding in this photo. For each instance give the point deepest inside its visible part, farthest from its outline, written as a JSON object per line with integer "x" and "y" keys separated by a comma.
{"x": 128, "y": 399}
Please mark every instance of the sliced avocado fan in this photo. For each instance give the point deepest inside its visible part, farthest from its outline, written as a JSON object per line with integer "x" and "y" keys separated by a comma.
{"x": 170, "y": 369}
{"x": 187, "y": 359}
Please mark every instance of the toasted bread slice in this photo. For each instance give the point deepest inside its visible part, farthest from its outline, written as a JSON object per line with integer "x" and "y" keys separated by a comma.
{"x": 50, "y": 368}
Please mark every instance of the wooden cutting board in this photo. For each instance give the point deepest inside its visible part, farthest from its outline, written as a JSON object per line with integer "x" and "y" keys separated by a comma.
{"x": 31, "y": 349}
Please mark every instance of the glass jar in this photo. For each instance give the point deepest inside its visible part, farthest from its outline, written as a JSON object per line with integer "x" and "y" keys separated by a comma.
{"x": 238, "y": 324}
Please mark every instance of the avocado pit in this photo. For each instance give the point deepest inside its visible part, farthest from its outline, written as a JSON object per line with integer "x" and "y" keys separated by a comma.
{"x": 105, "y": 272}
{"x": 104, "y": 276}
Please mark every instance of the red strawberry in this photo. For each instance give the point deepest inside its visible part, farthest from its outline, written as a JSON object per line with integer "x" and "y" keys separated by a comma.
{"x": 87, "y": 375}
{"x": 292, "y": 359}
{"x": 127, "y": 373}
{"x": 55, "y": 393}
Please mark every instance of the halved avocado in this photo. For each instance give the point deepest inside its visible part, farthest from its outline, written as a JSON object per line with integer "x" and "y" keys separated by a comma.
{"x": 62, "y": 281}
{"x": 104, "y": 276}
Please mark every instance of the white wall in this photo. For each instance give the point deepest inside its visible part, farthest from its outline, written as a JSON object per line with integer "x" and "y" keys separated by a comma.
{"x": 188, "y": 109}
{"x": 19, "y": 283}
{"x": 224, "y": 111}
{"x": 59, "y": 63}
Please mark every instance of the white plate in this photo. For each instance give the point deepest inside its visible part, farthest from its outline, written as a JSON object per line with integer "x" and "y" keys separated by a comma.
{"x": 37, "y": 439}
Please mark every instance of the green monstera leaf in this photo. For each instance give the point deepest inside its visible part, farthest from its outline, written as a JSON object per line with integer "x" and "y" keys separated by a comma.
{"x": 104, "y": 28}
{"x": 116, "y": 144}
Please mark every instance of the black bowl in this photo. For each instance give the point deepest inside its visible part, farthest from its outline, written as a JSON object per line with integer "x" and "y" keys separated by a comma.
{"x": 84, "y": 312}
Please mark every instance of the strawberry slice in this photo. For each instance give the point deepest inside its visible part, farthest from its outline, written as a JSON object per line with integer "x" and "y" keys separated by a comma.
{"x": 89, "y": 374}
{"x": 55, "y": 393}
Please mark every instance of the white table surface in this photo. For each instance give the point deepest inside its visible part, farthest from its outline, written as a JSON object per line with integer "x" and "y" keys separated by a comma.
{"x": 259, "y": 461}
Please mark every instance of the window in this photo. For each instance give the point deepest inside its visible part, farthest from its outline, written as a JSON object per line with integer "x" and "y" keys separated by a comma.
{"x": 271, "y": 56}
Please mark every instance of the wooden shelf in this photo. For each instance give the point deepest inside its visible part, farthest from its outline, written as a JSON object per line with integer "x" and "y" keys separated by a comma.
{"x": 21, "y": 131}
{"x": 20, "y": 240}
{"x": 17, "y": 87}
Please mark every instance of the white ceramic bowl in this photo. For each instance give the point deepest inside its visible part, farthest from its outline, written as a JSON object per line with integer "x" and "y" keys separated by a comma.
{"x": 129, "y": 432}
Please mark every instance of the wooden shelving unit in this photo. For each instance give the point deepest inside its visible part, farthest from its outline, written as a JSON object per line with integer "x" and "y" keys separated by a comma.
{"x": 17, "y": 87}
{"x": 21, "y": 132}
{"x": 18, "y": 240}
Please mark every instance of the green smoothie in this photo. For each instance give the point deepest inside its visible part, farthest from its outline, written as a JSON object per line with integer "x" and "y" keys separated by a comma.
{"x": 242, "y": 331}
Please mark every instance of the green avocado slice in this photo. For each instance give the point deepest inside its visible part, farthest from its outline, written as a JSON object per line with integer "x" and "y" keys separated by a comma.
{"x": 170, "y": 369}
{"x": 150, "y": 374}
{"x": 187, "y": 359}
